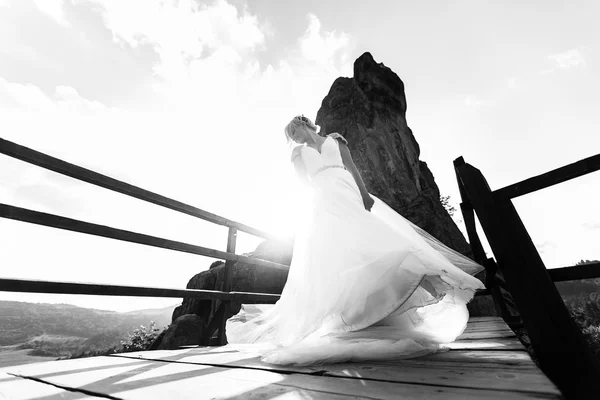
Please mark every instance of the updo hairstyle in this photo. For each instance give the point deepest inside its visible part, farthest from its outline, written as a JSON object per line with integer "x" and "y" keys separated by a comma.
{"x": 295, "y": 123}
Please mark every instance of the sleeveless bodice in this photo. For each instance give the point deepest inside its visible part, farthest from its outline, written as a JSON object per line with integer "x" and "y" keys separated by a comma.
{"x": 330, "y": 156}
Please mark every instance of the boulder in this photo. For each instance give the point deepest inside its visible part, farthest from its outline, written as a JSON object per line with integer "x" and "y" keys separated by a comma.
{"x": 186, "y": 330}
{"x": 244, "y": 278}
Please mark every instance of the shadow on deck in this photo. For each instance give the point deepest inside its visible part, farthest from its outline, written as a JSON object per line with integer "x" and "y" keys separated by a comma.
{"x": 487, "y": 362}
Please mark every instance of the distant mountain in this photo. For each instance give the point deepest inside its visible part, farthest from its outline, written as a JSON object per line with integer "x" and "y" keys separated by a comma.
{"x": 22, "y": 322}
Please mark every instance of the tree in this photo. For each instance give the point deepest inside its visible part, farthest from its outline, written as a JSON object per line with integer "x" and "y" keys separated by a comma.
{"x": 584, "y": 262}
{"x": 450, "y": 209}
{"x": 445, "y": 200}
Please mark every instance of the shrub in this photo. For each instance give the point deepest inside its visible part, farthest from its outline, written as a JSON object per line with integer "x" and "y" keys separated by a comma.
{"x": 141, "y": 338}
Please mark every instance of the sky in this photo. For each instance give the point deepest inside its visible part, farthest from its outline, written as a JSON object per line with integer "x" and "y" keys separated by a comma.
{"x": 189, "y": 99}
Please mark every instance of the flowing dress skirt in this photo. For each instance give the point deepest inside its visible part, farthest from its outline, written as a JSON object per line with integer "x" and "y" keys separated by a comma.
{"x": 362, "y": 286}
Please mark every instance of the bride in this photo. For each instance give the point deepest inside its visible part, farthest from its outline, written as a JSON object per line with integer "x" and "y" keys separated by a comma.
{"x": 364, "y": 283}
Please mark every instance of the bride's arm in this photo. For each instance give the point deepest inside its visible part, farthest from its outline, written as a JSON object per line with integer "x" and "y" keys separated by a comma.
{"x": 351, "y": 167}
{"x": 299, "y": 165}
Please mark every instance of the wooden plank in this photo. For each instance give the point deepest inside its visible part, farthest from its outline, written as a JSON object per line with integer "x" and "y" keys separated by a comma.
{"x": 15, "y": 387}
{"x": 234, "y": 355}
{"x": 486, "y": 328}
{"x": 503, "y": 343}
{"x": 476, "y": 320}
{"x": 465, "y": 376}
{"x": 141, "y": 379}
{"x": 238, "y": 356}
{"x": 516, "y": 359}
{"x": 585, "y": 271}
{"x": 499, "y": 324}
{"x": 55, "y": 221}
{"x": 497, "y": 370}
{"x": 49, "y": 368}
{"x": 486, "y": 334}
{"x": 496, "y": 322}
{"x": 62, "y": 167}
{"x": 548, "y": 179}
{"x": 491, "y": 326}
{"x": 490, "y": 329}
{"x": 495, "y": 332}
{"x": 558, "y": 343}
{"x": 31, "y": 286}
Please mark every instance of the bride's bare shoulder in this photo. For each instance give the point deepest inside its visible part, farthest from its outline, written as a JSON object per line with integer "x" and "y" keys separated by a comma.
{"x": 296, "y": 152}
{"x": 336, "y": 135}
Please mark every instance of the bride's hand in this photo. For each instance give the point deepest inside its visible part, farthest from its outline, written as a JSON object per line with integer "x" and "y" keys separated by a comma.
{"x": 368, "y": 202}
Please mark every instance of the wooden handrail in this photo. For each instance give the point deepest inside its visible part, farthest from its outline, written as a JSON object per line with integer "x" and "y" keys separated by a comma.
{"x": 548, "y": 179}
{"x": 55, "y": 221}
{"x": 584, "y": 271}
{"x": 74, "y": 171}
{"x": 38, "y": 286}
{"x": 560, "y": 347}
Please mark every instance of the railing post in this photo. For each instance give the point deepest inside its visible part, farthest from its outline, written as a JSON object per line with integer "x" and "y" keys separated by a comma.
{"x": 231, "y": 241}
{"x": 479, "y": 253}
{"x": 469, "y": 218}
{"x": 557, "y": 341}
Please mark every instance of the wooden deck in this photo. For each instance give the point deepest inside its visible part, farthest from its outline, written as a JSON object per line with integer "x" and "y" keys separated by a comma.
{"x": 487, "y": 362}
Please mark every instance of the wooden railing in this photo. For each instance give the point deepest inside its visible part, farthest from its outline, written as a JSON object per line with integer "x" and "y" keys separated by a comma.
{"x": 35, "y": 217}
{"x": 225, "y": 297}
{"x": 562, "y": 351}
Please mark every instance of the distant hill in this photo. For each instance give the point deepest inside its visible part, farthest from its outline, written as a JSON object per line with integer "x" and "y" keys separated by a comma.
{"x": 22, "y": 322}
{"x": 578, "y": 288}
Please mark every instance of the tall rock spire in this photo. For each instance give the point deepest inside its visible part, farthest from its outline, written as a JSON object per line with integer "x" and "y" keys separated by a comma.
{"x": 370, "y": 111}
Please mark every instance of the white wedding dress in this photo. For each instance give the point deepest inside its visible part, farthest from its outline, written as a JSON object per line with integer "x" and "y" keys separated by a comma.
{"x": 362, "y": 285}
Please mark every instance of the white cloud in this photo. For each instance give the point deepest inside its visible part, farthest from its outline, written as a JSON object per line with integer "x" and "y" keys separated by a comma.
{"x": 573, "y": 58}
{"x": 592, "y": 225}
{"x": 473, "y": 101}
{"x": 545, "y": 246}
{"x": 182, "y": 30}
{"x": 22, "y": 96}
{"x": 324, "y": 47}
{"x": 54, "y": 9}
{"x": 18, "y": 97}
{"x": 568, "y": 59}
{"x": 68, "y": 98}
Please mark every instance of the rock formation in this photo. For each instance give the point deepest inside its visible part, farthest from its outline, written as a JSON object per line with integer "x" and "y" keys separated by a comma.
{"x": 369, "y": 110}
{"x": 244, "y": 278}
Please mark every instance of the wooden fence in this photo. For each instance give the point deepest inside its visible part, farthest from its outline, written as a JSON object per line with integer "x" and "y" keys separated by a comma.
{"x": 562, "y": 351}
{"x": 35, "y": 217}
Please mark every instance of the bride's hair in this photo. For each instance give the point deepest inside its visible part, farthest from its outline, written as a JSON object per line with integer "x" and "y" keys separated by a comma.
{"x": 297, "y": 121}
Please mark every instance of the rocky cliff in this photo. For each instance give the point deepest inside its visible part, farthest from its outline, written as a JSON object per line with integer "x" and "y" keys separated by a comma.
{"x": 369, "y": 110}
